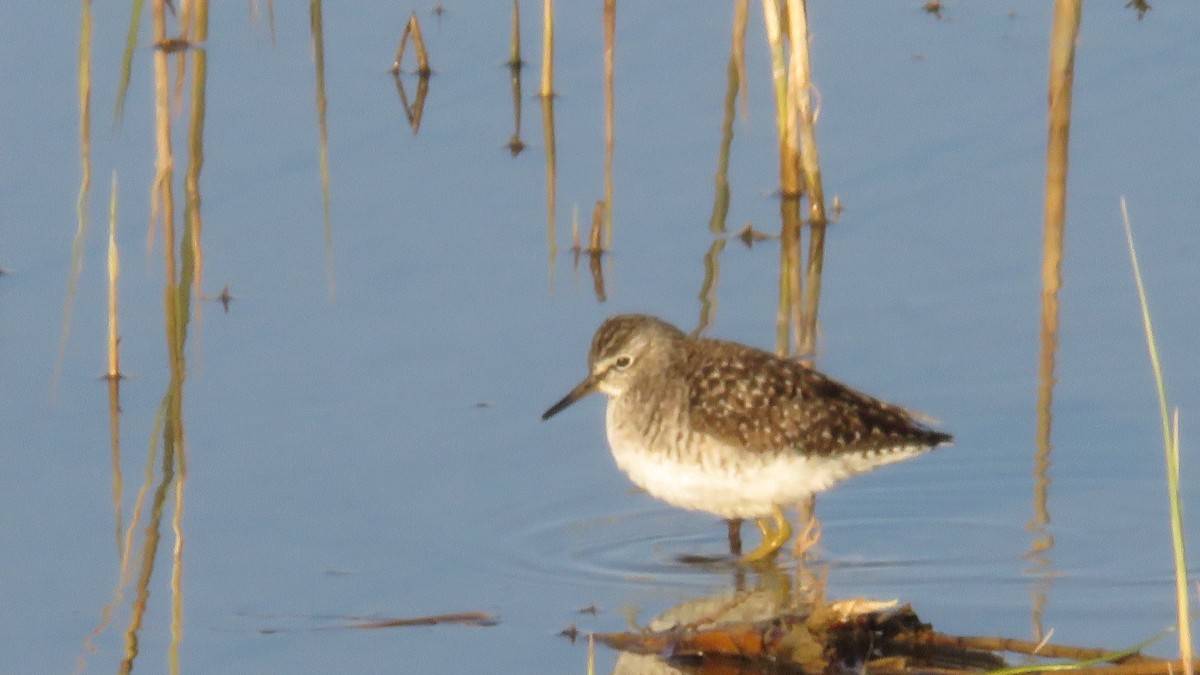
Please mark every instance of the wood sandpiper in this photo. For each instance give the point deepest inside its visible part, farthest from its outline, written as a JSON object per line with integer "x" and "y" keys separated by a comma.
{"x": 717, "y": 426}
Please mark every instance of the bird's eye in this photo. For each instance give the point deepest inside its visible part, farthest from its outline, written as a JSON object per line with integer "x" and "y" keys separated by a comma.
{"x": 622, "y": 362}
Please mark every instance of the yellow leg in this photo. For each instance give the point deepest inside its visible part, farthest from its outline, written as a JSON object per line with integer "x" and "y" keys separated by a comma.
{"x": 773, "y": 538}
{"x": 784, "y": 528}
{"x": 810, "y": 533}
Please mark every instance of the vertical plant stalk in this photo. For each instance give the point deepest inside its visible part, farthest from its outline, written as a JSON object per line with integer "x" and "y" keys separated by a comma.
{"x": 789, "y": 179}
{"x": 85, "y": 184}
{"x": 114, "y": 275}
{"x": 515, "y": 64}
{"x": 810, "y": 164}
{"x": 114, "y": 367}
{"x": 610, "y": 38}
{"x": 423, "y": 68}
{"x": 789, "y": 162}
{"x": 596, "y": 233}
{"x": 317, "y": 31}
{"x": 1171, "y": 450}
{"x": 547, "y": 90}
{"x": 733, "y": 82}
{"x": 412, "y": 29}
{"x": 514, "y": 47}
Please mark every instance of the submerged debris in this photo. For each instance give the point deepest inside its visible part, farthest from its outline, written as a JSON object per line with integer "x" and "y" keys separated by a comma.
{"x": 462, "y": 618}
{"x": 860, "y": 636}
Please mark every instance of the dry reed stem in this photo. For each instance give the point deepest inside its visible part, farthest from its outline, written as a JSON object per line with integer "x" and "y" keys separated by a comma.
{"x": 397, "y": 62}
{"x": 789, "y": 180}
{"x": 789, "y": 183}
{"x": 793, "y": 224}
{"x": 591, "y": 654}
{"x": 114, "y": 275}
{"x": 810, "y": 164}
{"x": 514, "y": 47}
{"x": 413, "y": 29}
{"x": 779, "y": 78}
{"x": 596, "y": 234}
{"x": 547, "y": 90}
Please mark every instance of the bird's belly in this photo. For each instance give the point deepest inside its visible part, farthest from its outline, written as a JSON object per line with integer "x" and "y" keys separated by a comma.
{"x": 719, "y": 480}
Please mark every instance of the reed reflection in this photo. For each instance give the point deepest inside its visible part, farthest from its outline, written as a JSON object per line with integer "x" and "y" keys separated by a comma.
{"x": 547, "y": 103}
{"x": 317, "y": 35}
{"x": 413, "y": 110}
{"x": 1061, "y": 81}
{"x": 159, "y": 502}
{"x": 515, "y": 65}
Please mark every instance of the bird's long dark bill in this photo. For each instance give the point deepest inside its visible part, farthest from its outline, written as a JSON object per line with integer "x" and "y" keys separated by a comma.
{"x": 583, "y": 389}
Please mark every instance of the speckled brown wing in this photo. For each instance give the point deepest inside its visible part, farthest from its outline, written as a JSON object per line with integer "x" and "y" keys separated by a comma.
{"x": 752, "y": 399}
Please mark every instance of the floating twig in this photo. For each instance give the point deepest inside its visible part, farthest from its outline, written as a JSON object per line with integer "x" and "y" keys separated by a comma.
{"x": 462, "y": 618}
